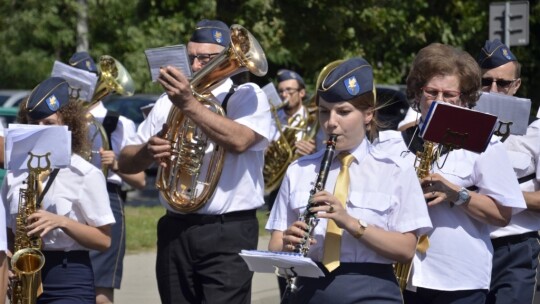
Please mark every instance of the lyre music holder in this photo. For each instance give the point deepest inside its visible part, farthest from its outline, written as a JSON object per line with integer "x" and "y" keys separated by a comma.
{"x": 457, "y": 127}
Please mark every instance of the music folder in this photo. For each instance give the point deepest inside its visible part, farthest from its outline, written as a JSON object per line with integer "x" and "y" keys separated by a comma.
{"x": 173, "y": 55}
{"x": 273, "y": 97}
{"x": 281, "y": 263}
{"x": 508, "y": 109}
{"x": 457, "y": 127}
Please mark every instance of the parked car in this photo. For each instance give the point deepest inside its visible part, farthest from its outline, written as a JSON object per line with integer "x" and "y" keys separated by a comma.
{"x": 130, "y": 106}
{"x": 7, "y": 115}
{"x": 12, "y": 98}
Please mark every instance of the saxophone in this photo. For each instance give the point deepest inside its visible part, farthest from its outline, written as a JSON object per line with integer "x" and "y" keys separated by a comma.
{"x": 423, "y": 163}
{"x": 309, "y": 217}
{"x": 28, "y": 259}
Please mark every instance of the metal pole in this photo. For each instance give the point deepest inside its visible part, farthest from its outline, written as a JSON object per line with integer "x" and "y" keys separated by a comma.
{"x": 507, "y": 24}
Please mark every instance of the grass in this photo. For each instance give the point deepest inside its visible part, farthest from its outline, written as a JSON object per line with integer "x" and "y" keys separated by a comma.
{"x": 141, "y": 223}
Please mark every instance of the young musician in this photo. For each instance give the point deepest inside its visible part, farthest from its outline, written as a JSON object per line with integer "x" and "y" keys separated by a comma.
{"x": 75, "y": 214}
{"x": 380, "y": 212}
{"x": 457, "y": 265}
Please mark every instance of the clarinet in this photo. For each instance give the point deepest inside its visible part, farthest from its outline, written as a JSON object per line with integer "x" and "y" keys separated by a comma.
{"x": 309, "y": 217}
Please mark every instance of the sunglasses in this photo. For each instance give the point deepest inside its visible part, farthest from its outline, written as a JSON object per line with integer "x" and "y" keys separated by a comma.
{"x": 501, "y": 83}
{"x": 289, "y": 91}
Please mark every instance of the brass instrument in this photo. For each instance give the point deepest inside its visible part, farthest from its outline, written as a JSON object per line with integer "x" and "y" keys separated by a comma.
{"x": 423, "y": 164}
{"x": 28, "y": 259}
{"x": 186, "y": 183}
{"x": 113, "y": 77}
{"x": 307, "y": 216}
{"x": 282, "y": 152}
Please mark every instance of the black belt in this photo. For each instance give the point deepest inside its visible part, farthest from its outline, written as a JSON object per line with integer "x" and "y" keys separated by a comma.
{"x": 513, "y": 239}
{"x": 112, "y": 187}
{"x": 194, "y": 218}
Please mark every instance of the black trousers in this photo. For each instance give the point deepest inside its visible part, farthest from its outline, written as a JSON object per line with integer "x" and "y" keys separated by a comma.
{"x": 432, "y": 296}
{"x": 198, "y": 261}
{"x": 515, "y": 259}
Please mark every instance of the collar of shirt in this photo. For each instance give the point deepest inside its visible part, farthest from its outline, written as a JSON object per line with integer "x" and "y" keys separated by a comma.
{"x": 99, "y": 110}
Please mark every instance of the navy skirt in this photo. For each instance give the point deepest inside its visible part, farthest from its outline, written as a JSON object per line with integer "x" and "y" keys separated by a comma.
{"x": 67, "y": 278}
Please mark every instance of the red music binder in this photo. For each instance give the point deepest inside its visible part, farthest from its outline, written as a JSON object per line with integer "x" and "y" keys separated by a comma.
{"x": 458, "y": 127}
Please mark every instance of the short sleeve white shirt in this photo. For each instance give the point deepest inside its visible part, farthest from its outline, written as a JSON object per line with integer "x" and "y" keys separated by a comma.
{"x": 78, "y": 192}
{"x": 241, "y": 184}
{"x": 124, "y": 134}
{"x": 524, "y": 153}
{"x": 460, "y": 253}
{"x": 383, "y": 191}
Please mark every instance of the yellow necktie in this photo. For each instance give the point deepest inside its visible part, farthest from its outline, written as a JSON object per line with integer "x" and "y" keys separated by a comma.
{"x": 332, "y": 240}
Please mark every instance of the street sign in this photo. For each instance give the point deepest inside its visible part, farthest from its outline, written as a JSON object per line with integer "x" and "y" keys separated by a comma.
{"x": 509, "y": 22}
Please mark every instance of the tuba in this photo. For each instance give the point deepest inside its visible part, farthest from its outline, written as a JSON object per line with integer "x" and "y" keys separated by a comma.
{"x": 187, "y": 182}
{"x": 423, "y": 163}
{"x": 113, "y": 77}
{"x": 28, "y": 259}
{"x": 282, "y": 152}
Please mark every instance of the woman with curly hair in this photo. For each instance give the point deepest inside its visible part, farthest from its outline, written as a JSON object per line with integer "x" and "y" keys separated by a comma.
{"x": 465, "y": 191}
{"x": 75, "y": 214}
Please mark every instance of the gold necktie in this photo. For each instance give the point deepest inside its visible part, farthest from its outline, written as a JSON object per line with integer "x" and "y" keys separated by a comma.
{"x": 332, "y": 240}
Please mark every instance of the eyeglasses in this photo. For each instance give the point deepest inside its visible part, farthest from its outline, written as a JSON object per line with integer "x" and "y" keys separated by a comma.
{"x": 203, "y": 58}
{"x": 289, "y": 91}
{"x": 501, "y": 83}
{"x": 448, "y": 95}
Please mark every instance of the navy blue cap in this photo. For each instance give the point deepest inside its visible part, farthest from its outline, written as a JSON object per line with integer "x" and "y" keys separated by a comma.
{"x": 83, "y": 61}
{"x": 283, "y": 75}
{"x": 47, "y": 98}
{"x": 211, "y": 31}
{"x": 347, "y": 81}
{"x": 494, "y": 54}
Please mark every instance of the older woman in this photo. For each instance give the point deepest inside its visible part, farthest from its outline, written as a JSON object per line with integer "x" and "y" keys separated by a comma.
{"x": 457, "y": 266}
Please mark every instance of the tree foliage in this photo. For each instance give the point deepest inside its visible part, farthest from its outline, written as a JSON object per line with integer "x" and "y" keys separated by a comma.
{"x": 303, "y": 35}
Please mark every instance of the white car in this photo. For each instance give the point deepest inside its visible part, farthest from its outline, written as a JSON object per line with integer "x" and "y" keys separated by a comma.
{"x": 12, "y": 98}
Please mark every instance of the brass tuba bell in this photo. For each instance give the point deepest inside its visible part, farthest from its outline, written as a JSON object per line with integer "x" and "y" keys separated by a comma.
{"x": 187, "y": 182}
{"x": 113, "y": 77}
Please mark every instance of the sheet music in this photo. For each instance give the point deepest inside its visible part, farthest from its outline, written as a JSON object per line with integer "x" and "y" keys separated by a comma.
{"x": 174, "y": 55}
{"x": 272, "y": 94}
{"x": 40, "y": 140}
{"x": 269, "y": 262}
{"x": 83, "y": 82}
{"x": 507, "y": 109}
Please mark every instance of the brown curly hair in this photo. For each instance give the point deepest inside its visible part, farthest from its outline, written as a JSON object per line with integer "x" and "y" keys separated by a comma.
{"x": 439, "y": 59}
{"x": 72, "y": 115}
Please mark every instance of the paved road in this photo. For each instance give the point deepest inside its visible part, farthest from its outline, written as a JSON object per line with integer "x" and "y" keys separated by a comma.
{"x": 139, "y": 282}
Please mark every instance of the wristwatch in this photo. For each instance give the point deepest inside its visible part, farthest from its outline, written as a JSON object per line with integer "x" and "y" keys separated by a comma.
{"x": 463, "y": 196}
{"x": 360, "y": 232}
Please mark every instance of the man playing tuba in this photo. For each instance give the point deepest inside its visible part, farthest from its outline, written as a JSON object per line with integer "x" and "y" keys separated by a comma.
{"x": 197, "y": 250}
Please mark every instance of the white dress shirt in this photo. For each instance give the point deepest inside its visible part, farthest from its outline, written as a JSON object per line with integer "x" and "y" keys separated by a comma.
{"x": 241, "y": 184}
{"x": 78, "y": 192}
{"x": 124, "y": 134}
{"x": 460, "y": 253}
{"x": 524, "y": 152}
{"x": 383, "y": 192}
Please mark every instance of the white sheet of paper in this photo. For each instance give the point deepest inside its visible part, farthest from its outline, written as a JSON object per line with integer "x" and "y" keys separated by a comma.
{"x": 174, "y": 55}
{"x": 21, "y": 139}
{"x": 272, "y": 94}
{"x": 507, "y": 109}
{"x": 79, "y": 80}
{"x": 268, "y": 261}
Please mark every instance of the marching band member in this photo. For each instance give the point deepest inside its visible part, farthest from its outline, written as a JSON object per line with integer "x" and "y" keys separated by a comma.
{"x": 516, "y": 247}
{"x": 197, "y": 252}
{"x": 457, "y": 265}
{"x": 75, "y": 214}
{"x": 108, "y": 265}
{"x": 380, "y": 215}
